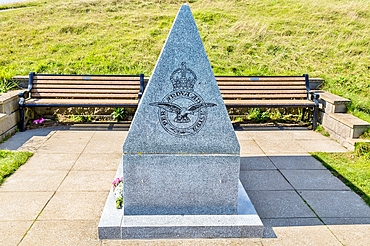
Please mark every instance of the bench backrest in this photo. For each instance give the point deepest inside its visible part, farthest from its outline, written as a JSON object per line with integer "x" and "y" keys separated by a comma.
{"x": 86, "y": 86}
{"x": 263, "y": 88}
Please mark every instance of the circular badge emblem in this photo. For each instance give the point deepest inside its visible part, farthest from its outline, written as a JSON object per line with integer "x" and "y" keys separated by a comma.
{"x": 182, "y": 113}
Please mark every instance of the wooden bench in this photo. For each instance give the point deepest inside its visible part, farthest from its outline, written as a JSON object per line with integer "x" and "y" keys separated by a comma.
{"x": 269, "y": 92}
{"x": 50, "y": 90}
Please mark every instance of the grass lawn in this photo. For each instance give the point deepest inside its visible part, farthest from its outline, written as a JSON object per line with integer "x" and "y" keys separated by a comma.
{"x": 328, "y": 39}
{"x": 10, "y": 161}
{"x": 352, "y": 168}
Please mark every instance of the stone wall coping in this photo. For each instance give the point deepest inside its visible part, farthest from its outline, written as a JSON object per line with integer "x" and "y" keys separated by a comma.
{"x": 349, "y": 120}
{"x": 333, "y": 99}
{"x": 4, "y": 97}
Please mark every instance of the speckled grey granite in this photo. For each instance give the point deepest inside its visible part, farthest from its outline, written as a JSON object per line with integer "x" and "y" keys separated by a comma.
{"x": 115, "y": 225}
{"x": 180, "y": 184}
{"x": 213, "y": 132}
{"x": 181, "y": 155}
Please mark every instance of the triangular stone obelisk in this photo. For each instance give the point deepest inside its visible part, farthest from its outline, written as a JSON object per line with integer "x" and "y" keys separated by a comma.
{"x": 181, "y": 155}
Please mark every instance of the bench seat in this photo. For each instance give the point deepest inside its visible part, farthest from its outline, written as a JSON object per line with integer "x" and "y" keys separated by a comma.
{"x": 269, "y": 92}
{"x": 50, "y": 90}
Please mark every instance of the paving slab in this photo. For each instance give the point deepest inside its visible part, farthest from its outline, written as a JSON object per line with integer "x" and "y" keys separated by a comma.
{"x": 87, "y": 181}
{"x": 280, "y": 147}
{"x": 256, "y": 163}
{"x": 42, "y": 180}
{"x": 71, "y": 232}
{"x": 275, "y": 135}
{"x": 250, "y": 148}
{"x": 114, "y": 145}
{"x": 298, "y": 162}
{"x": 33, "y": 137}
{"x": 75, "y": 206}
{"x": 49, "y": 161}
{"x": 305, "y": 235}
{"x": 323, "y": 145}
{"x": 309, "y": 135}
{"x": 243, "y": 135}
{"x": 279, "y": 204}
{"x": 12, "y": 232}
{"x": 264, "y": 180}
{"x": 336, "y": 204}
{"x": 66, "y": 142}
{"x": 97, "y": 162}
{"x": 269, "y": 224}
{"x": 313, "y": 180}
{"x": 22, "y": 205}
{"x": 351, "y": 235}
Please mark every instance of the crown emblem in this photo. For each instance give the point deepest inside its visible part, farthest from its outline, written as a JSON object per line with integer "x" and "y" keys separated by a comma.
{"x": 183, "y": 78}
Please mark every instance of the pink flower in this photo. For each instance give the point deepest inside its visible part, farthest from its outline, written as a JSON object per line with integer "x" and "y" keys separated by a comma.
{"x": 116, "y": 182}
{"x": 39, "y": 121}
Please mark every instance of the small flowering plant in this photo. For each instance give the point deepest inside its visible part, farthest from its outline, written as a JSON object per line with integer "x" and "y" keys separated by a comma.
{"x": 38, "y": 121}
{"x": 118, "y": 191}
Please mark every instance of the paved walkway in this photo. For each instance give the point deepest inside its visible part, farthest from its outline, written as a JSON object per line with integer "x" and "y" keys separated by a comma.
{"x": 57, "y": 197}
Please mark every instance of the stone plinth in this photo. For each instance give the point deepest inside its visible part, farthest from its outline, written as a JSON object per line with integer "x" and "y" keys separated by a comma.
{"x": 115, "y": 225}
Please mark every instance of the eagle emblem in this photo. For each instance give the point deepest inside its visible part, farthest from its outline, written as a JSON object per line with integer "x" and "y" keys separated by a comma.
{"x": 182, "y": 112}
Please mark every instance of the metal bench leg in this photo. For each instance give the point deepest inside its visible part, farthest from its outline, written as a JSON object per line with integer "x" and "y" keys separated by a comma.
{"x": 21, "y": 112}
{"x": 315, "y": 116}
{"x": 303, "y": 114}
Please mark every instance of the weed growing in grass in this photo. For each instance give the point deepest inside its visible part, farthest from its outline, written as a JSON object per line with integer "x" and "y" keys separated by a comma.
{"x": 10, "y": 161}
{"x": 119, "y": 114}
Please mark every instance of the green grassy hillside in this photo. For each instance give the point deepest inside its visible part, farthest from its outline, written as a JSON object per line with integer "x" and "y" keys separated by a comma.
{"x": 328, "y": 39}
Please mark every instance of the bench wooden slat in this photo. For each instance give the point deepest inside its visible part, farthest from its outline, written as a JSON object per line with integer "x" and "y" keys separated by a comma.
{"x": 72, "y": 95}
{"x": 87, "y": 82}
{"x": 248, "y": 92}
{"x": 241, "y": 83}
{"x": 268, "y": 103}
{"x": 87, "y": 77}
{"x": 82, "y": 102}
{"x": 85, "y": 86}
{"x": 272, "y": 87}
{"x": 260, "y": 79}
{"x": 84, "y": 91}
{"x": 264, "y": 96}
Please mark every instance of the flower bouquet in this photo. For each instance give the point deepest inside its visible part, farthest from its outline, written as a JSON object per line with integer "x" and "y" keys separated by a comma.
{"x": 118, "y": 191}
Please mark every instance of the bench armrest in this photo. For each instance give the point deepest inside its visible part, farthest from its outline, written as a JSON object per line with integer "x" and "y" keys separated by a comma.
{"x": 23, "y": 95}
{"x": 313, "y": 96}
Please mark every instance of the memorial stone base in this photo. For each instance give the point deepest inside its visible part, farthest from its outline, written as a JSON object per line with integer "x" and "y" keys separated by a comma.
{"x": 114, "y": 224}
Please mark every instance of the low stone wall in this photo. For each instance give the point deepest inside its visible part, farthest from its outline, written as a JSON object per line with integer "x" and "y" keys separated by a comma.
{"x": 9, "y": 113}
{"x": 343, "y": 127}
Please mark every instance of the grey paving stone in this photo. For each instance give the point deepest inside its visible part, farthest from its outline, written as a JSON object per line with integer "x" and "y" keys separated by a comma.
{"x": 336, "y": 204}
{"x": 280, "y": 147}
{"x": 264, "y": 180}
{"x": 346, "y": 221}
{"x": 255, "y": 163}
{"x": 327, "y": 145}
{"x": 279, "y": 204}
{"x": 298, "y": 162}
{"x": 268, "y": 224}
{"x": 313, "y": 180}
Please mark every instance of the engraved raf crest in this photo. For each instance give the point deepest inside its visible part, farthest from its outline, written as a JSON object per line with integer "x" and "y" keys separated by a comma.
{"x": 182, "y": 112}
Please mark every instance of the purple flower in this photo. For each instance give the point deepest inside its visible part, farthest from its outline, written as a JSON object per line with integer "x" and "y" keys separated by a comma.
{"x": 39, "y": 121}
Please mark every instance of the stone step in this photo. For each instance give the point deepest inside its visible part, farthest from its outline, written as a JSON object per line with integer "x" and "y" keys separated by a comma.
{"x": 344, "y": 127}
